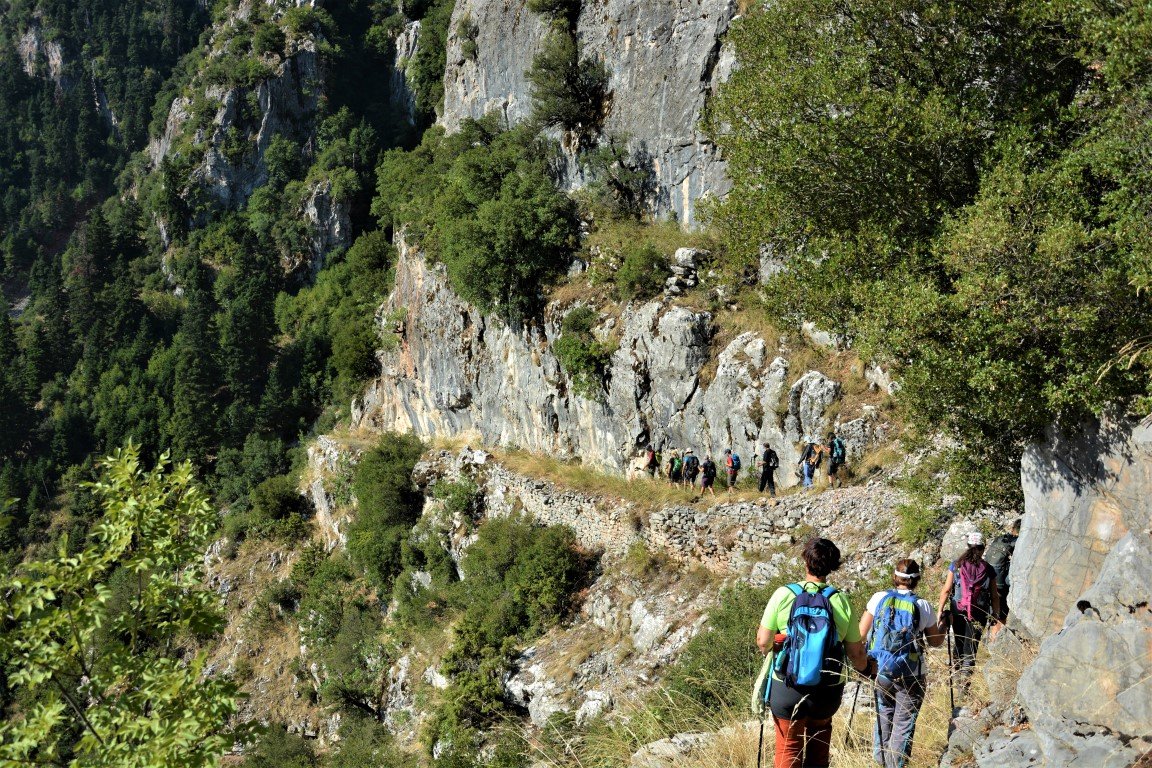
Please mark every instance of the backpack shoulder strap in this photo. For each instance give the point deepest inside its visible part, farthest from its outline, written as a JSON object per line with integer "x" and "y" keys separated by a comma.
{"x": 829, "y": 591}
{"x": 796, "y": 588}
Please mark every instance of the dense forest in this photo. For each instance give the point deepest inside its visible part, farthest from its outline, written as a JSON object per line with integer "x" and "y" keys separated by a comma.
{"x": 958, "y": 189}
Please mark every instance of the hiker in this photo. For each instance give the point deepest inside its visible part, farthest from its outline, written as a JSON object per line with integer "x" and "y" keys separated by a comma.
{"x": 768, "y": 462}
{"x": 897, "y": 623}
{"x": 732, "y": 465}
{"x": 691, "y": 468}
{"x": 808, "y": 675}
{"x": 707, "y": 476}
{"x": 968, "y": 600}
{"x": 675, "y": 469}
{"x": 836, "y": 457}
{"x": 999, "y": 556}
{"x": 652, "y": 465}
{"x": 809, "y": 461}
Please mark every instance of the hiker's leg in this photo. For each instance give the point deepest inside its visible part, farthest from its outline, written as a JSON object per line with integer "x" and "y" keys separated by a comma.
{"x": 763, "y": 479}
{"x": 885, "y": 710}
{"x": 772, "y": 482}
{"x": 789, "y": 743}
{"x": 958, "y": 642}
{"x": 817, "y": 743}
{"x": 909, "y": 699}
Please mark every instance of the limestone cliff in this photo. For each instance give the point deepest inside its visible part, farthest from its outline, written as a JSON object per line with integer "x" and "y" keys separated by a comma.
{"x": 664, "y": 58}
{"x": 1080, "y": 584}
{"x": 456, "y": 371}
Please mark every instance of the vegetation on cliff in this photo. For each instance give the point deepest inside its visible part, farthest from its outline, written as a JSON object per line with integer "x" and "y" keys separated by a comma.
{"x": 960, "y": 193}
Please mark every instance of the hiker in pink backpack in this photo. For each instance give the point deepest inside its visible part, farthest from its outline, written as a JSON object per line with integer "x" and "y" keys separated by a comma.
{"x": 968, "y": 602}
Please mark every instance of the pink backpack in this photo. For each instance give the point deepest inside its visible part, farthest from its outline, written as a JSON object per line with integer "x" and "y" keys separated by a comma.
{"x": 972, "y": 593}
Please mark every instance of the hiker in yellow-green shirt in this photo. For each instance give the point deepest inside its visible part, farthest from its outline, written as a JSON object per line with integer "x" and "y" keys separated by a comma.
{"x": 803, "y": 718}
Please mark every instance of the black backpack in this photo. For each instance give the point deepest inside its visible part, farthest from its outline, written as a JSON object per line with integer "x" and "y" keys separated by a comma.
{"x": 771, "y": 460}
{"x": 691, "y": 464}
{"x": 999, "y": 556}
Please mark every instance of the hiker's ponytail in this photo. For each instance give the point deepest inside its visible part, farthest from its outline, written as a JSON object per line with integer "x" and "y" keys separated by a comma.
{"x": 974, "y": 554}
{"x": 907, "y": 573}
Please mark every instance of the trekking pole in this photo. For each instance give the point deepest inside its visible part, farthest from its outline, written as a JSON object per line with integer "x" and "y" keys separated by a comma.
{"x": 951, "y": 695}
{"x": 852, "y": 715}
{"x": 760, "y": 744}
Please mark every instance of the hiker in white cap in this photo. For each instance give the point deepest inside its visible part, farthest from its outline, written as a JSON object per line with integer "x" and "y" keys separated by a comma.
{"x": 899, "y": 625}
{"x": 968, "y": 601}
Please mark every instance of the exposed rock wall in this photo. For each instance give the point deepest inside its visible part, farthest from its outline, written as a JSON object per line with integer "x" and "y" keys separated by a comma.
{"x": 285, "y": 101}
{"x": 456, "y": 371}
{"x": 664, "y": 58}
{"x": 1080, "y": 600}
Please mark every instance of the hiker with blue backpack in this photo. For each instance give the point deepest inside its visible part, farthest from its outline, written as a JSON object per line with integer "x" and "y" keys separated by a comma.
{"x": 898, "y": 625}
{"x": 837, "y": 455}
{"x": 732, "y": 465}
{"x": 968, "y": 601}
{"x": 814, "y": 626}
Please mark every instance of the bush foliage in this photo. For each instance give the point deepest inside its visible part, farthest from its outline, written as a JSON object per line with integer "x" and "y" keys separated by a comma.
{"x": 483, "y": 202}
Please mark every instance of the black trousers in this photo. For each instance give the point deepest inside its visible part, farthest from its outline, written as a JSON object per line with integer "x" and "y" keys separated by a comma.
{"x": 766, "y": 479}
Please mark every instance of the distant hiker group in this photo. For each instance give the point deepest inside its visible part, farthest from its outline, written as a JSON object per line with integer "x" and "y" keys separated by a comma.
{"x": 809, "y": 634}
{"x": 684, "y": 469}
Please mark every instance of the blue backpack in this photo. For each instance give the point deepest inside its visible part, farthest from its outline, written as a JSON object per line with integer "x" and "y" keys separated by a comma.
{"x": 813, "y": 656}
{"x": 894, "y": 640}
{"x": 838, "y": 450}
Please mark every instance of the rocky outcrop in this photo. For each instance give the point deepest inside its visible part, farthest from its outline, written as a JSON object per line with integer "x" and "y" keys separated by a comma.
{"x": 664, "y": 59}
{"x": 330, "y": 226}
{"x": 1081, "y": 580}
{"x": 41, "y": 57}
{"x": 456, "y": 371}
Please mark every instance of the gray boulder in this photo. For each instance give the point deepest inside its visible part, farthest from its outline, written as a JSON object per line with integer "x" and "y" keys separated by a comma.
{"x": 1081, "y": 576}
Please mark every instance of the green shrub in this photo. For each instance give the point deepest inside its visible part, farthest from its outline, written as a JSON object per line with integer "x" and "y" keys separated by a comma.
{"x": 583, "y": 358}
{"x": 716, "y": 668}
{"x": 467, "y": 31}
{"x": 426, "y": 68}
{"x": 278, "y": 510}
{"x": 568, "y": 91}
{"x": 365, "y": 742}
{"x": 388, "y": 505}
{"x": 519, "y": 581}
{"x": 563, "y": 11}
{"x": 642, "y": 273}
{"x": 483, "y": 202}
{"x": 269, "y": 38}
{"x": 279, "y": 749}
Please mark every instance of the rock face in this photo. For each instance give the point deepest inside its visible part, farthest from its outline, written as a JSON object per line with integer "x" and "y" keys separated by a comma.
{"x": 456, "y": 371}
{"x": 664, "y": 58}
{"x": 1081, "y": 580}
{"x": 330, "y": 224}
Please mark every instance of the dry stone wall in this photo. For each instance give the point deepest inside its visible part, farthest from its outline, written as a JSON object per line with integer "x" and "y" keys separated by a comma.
{"x": 730, "y": 538}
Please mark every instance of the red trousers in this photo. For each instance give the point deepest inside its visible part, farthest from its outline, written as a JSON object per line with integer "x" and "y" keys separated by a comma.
{"x": 802, "y": 743}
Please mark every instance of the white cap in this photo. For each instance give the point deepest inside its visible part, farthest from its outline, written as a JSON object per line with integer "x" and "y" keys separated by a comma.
{"x": 975, "y": 539}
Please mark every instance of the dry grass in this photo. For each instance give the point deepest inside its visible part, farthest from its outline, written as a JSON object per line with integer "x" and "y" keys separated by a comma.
{"x": 616, "y": 235}
{"x": 644, "y": 492}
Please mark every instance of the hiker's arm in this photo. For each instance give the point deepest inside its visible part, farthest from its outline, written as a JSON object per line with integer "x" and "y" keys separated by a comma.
{"x": 935, "y": 634}
{"x": 865, "y": 624}
{"x": 860, "y": 661}
{"x": 764, "y": 637}
{"x": 945, "y": 591}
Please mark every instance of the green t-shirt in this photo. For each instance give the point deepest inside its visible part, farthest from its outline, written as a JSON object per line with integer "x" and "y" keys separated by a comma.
{"x": 775, "y": 617}
{"x": 776, "y": 613}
